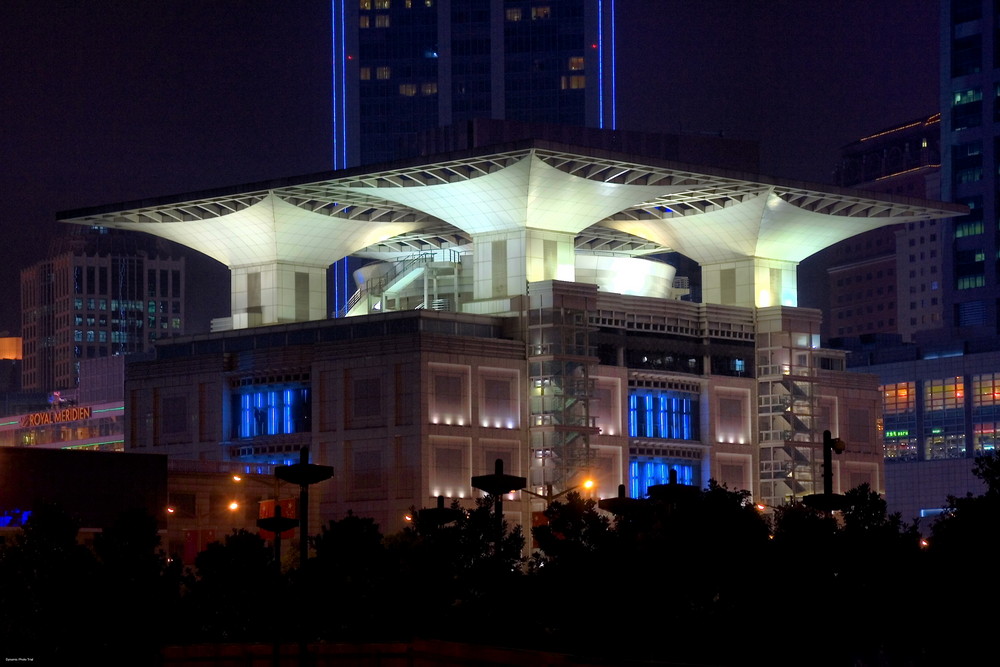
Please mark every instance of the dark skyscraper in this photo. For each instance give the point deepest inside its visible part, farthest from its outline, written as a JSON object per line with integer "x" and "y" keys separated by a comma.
{"x": 404, "y": 66}
{"x": 970, "y": 107}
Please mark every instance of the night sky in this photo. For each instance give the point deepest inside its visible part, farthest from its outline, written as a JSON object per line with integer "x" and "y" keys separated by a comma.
{"x": 108, "y": 100}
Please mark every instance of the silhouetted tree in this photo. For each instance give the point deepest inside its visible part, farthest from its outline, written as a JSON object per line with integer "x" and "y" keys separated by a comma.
{"x": 457, "y": 580}
{"x": 962, "y": 556}
{"x": 351, "y": 566}
{"x": 136, "y": 576}
{"x": 48, "y": 584}
{"x": 237, "y": 595}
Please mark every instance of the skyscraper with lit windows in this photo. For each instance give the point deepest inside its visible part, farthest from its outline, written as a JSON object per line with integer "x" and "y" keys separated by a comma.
{"x": 99, "y": 293}
{"x": 404, "y": 66}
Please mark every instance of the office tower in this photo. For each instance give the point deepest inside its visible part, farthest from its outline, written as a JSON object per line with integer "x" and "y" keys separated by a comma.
{"x": 970, "y": 104}
{"x": 889, "y": 280}
{"x": 405, "y": 66}
{"x": 99, "y": 293}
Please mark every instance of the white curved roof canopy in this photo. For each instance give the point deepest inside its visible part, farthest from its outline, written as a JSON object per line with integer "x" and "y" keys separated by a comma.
{"x": 612, "y": 203}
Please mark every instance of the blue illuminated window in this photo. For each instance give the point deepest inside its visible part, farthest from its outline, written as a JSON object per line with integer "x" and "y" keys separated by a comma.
{"x": 663, "y": 414}
{"x": 259, "y": 411}
{"x": 650, "y": 471}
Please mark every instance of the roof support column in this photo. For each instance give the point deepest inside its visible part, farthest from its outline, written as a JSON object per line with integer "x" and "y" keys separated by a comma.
{"x": 276, "y": 292}
{"x": 505, "y": 262}
{"x": 749, "y": 282}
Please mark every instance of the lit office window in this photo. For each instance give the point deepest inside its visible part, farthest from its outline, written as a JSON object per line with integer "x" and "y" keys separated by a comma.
{"x": 966, "y": 96}
{"x": 899, "y": 397}
{"x": 383, "y": 72}
{"x": 971, "y": 228}
{"x": 513, "y": 14}
{"x": 366, "y": 4}
{"x": 408, "y": 89}
{"x": 366, "y": 73}
{"x": 944, "y": 418}
{"x": 429, "y": 88}
{"x": 574, "y": 82}
{"x": 382, "y": 4}
{"x": 575, "y": 63}
{"x": 364, "y": 21}
{"x": 945, "y": 394}
{"x": 543, "y": 12}
{"x": 382, "y": 21}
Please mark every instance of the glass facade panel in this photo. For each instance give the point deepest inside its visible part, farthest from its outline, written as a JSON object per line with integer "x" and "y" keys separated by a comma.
{"x": 985, "y": 412}
{"x": 944, "y": 418}
{"x": 899, "y": 404}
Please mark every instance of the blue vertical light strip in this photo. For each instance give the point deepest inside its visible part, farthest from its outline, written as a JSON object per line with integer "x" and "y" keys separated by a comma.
{"x": 246, "y": 416}
{"x": 614, "y": 73}
{"x": 338, "y": 32}
{"x": 343, "y": 84}
{"x": 650, "y": 416}
{"x": 334, "y": 61}
{"x": 612, "y": 122}
{"x": 272, "y": 413}
{"x": 633, "y": 421}
{"x": 600, "y": 63}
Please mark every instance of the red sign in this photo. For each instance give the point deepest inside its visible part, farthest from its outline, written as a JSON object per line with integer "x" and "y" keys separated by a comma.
{"x": 56, "y": 416}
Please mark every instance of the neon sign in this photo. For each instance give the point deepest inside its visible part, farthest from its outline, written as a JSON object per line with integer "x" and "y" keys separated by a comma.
{"x": 56, "y": 416}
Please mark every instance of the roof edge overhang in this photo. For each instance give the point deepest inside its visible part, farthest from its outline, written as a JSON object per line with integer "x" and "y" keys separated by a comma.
{"x": 525, "y": 145}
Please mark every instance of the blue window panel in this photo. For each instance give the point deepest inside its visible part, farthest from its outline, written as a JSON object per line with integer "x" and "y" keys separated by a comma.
{"x": 659, "y": 414}
{"x": 649, "y": 414}
{"x": 271, "y": 412}
{"x": 633, "y": 416}
{"x": 651, "y": 472}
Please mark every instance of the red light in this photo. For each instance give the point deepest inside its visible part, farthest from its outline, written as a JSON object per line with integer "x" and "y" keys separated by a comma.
{"x": 593, "y": 46}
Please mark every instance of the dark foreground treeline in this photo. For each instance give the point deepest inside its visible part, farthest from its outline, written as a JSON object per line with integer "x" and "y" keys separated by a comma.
{"x": 698, "y": 577}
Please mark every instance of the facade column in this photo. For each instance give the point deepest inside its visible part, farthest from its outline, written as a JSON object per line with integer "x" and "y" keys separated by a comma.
{"x": 750, "y": 282}
{"x": 505, "y": 262}
{"x": 277, "y": 292}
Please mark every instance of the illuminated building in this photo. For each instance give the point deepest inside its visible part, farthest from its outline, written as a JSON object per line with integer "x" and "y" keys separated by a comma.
{"x": 939, "y": 407}
{"x": 404, "y": 66}
{"x": 889, "y": 280}
{"x": 97, "y": 295}
{"x": 98, "y": 427}
{"x": 511, "y": 309}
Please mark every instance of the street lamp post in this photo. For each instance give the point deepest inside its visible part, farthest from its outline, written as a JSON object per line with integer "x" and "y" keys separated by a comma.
{"x": 304, "y": 474}
{"x": 275, "y": 524}
{"x": 828, "y": 501}
{"x": 496, "y": 485}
